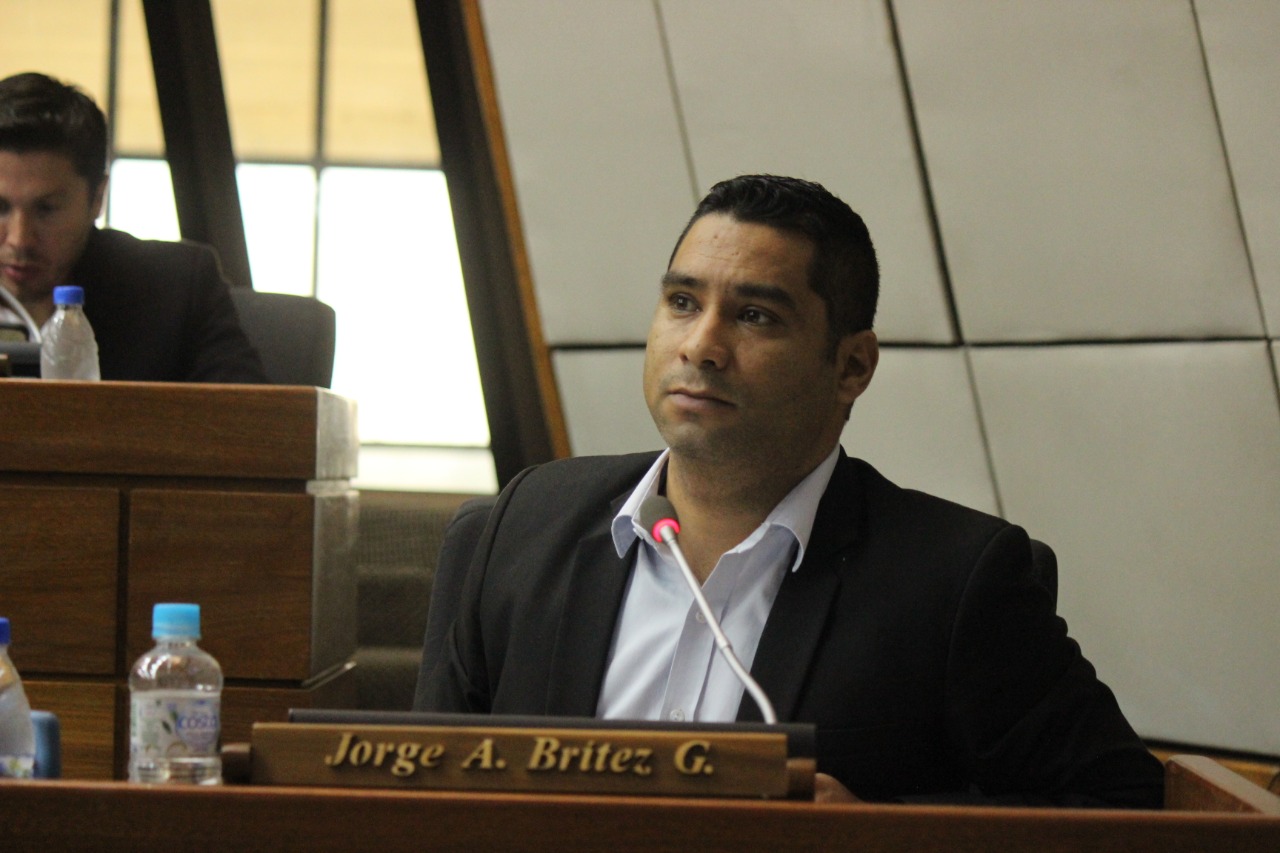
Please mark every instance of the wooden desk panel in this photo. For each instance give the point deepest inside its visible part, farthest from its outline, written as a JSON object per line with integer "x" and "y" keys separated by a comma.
{"x": 58, "y": 577}
{"x": 1199, "y": 783}
{"x": 175, "y": 430}
{"x": 90, "y": 715}
{"x": 42, "y": 816}
{"x": 94, "y": 716}
{"x": 234, "y": 497}
{"x": 246, "y": 558}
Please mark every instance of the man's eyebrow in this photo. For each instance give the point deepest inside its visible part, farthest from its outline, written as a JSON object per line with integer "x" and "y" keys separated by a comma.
{"x": 679, "y": 279}
{"x": 765, "y": 293}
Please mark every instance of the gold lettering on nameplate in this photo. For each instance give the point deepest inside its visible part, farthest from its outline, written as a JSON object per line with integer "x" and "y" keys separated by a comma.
{"x": 484, "y": 757}
{"x": 691, "y": 758}
{"x": 406, "y": 756}
{"x": 357, "y": 752}
{"x": 549, "y": 753}
{"x": 481, "y": 758}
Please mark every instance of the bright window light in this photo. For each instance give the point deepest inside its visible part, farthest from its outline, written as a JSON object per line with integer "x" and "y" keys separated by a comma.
{"x": 140, "y": 200}
{"x": 388, "y": 264}
{"x": 278, "y": 203}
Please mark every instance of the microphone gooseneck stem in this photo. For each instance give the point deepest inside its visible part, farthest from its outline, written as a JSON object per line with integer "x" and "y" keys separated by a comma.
{"x": 722, "y": 642}
{"x": 33, "y": 330}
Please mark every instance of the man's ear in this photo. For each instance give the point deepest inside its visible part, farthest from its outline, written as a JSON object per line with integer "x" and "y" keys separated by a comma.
{"x": 856, "y": 358}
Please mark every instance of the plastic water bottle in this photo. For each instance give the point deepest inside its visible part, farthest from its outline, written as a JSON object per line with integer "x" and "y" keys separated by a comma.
{"x": 175, "y": 693}
{"x": 17, "y": 737}
{"x": 69, "y": 349}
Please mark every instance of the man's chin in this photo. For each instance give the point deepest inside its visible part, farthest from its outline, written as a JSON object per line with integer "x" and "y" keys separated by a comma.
{"x": 28, "y": 291}
{"x": 697, "y": 443}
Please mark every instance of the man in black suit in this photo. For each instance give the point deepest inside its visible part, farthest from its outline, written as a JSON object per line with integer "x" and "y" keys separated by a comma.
{"x": 160, "y": 311}
{"x": 914, "y": 633}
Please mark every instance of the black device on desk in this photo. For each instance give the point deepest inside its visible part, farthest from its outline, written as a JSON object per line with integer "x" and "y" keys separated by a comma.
{"x": 24, "y": 356}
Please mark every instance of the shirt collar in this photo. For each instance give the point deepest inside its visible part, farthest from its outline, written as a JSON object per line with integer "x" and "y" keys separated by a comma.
{"x": 794, "y": 513}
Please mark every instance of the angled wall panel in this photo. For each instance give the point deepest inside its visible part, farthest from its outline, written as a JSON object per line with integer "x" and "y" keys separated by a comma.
{"x": 1154, "y": 472}
{"x": 1275, "y": 355}
{"x": 813, "y": 90}
{"x": 601, "y": 178}
{"x": 1077, "y": 168}
{"x": 604, "y": 404}
{"x": 918, "y": 426}
{"x": 1244, "y": 66}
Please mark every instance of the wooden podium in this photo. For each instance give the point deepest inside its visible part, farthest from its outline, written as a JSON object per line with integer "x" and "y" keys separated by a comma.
{"x": 118, "y": 495}
{"x": 41, "y": 816}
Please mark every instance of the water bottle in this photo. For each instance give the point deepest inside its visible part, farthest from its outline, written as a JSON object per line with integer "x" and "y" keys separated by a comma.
{"x": 175, "y": 693}
{"x": 17, "y": 737}
{"x": 69, "y": 349}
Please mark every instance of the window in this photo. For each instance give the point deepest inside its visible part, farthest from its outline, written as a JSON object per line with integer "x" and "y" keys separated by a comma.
{"x": 341, "y": 193}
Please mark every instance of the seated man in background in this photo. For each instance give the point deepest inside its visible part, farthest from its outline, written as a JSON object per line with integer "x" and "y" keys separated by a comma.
{"x": 912, "y": 632}
{"x": 161, "y": 311}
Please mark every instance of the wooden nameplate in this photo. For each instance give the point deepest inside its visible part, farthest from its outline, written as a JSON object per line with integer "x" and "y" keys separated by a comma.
{"x": 536, "y": 755}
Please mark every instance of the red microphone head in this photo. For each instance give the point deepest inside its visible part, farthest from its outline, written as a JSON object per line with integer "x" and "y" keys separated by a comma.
{"x": 658, "y": 516}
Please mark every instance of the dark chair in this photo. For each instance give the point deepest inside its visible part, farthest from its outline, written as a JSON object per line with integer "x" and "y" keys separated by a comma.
{"x": 294, "y": 335}
{"x": 456, "y": 549}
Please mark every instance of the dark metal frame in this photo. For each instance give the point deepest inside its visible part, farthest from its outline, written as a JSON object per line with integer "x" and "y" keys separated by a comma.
{"x": 514, "y": 394}
{"x": 197, "y": 133}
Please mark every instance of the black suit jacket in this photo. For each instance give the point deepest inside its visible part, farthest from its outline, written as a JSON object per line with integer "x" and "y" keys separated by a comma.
{"x": 162, "y": 312}
{"x": 915, "y": 636}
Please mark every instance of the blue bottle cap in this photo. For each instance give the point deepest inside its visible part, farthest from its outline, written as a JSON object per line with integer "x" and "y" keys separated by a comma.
{"x": 68, "y": 294}
{"x": 4, "y": 631}
{"x": 175, "y": 620}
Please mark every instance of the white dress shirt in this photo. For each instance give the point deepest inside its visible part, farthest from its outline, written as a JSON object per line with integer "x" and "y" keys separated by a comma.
{"x": 663, "y": 664}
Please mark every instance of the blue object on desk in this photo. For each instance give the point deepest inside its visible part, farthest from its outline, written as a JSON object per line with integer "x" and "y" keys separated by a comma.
{"x": 48, "y": 745}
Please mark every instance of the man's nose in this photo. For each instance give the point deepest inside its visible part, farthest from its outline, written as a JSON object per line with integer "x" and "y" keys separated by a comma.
{"x": 706, "y": 344}
{"x": 17, "y": 230}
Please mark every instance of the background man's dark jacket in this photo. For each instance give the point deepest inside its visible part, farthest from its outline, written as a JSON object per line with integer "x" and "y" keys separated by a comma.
{"x": 162, "y": 312}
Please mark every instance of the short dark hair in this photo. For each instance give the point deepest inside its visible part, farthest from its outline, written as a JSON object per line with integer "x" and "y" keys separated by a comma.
{"x": 844, "y": 271}
{"x": 39, "y": 113}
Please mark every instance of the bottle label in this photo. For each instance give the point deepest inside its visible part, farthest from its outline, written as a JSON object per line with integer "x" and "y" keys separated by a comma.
{"x": 13, "y": 766}
{"x": 173, "y": 724}
{"x": 17, "y": 766}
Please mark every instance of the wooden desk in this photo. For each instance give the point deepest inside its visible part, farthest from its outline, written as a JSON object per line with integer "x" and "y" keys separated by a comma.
{"x": 62, "y": 816}
{"x": 118, "y": 495}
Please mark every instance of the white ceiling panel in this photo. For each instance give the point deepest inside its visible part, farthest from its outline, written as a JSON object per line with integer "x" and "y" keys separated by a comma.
{"x": 601, "y": 178}
{"x": 812, "y": 89}
{"x": 918, "y": 426}
{"x": 1154, "y": 472}
{"x": 1244, "y": 68}
{"x": 1077, "y": 168}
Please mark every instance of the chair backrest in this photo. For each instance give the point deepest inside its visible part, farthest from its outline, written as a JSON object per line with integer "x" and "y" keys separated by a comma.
{"x": 456, "y": 550}
{"x": 294, "y": 335}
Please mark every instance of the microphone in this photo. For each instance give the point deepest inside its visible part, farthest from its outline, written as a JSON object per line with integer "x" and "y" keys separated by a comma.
{"x": 659, "y": 517}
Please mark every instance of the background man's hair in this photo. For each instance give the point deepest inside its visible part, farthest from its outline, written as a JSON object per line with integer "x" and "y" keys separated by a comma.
{"x": 39, "y": 113}
{"x": 844, "y": 271}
